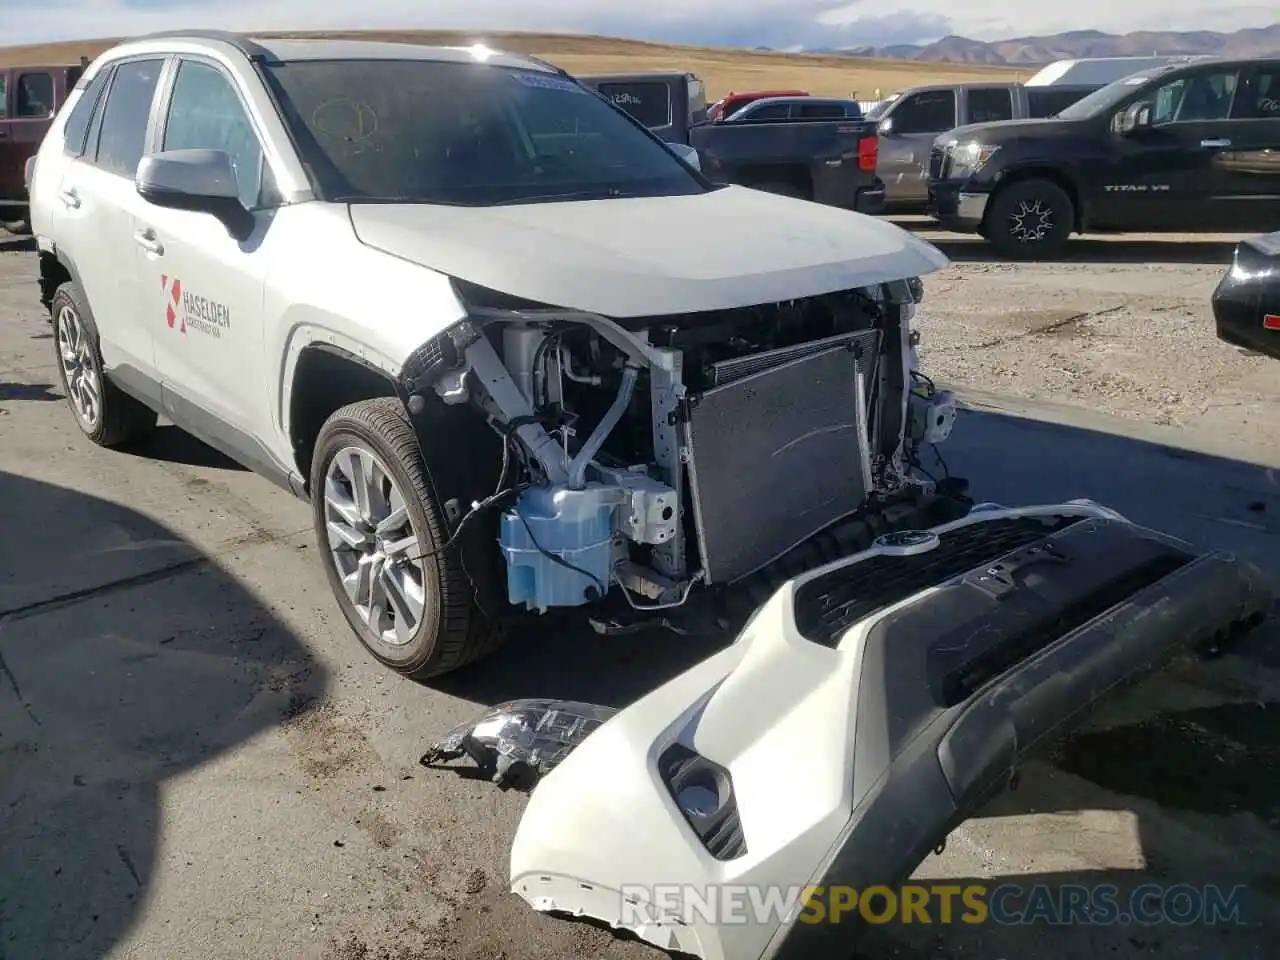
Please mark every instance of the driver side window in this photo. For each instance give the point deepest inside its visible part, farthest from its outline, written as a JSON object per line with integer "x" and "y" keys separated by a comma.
{"x": 1195, "y": 98}
{"x": 205, "y": 112}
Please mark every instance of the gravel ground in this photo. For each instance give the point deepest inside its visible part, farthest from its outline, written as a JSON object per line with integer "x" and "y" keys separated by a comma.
{"x": 1123, "y": 328}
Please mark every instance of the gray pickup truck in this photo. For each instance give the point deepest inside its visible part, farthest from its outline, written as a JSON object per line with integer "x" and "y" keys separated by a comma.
{"x": 829, "y": 158}
{"x": 911, "y": 119}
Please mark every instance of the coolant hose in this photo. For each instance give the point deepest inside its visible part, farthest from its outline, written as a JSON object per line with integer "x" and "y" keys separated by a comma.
{"x": 578, "y": 466}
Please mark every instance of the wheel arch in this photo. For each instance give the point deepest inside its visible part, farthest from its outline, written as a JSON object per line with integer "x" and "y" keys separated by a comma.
{"x": 1054, "y": 174}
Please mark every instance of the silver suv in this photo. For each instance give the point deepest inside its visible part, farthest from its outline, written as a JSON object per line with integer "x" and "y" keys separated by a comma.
{"x": 516, "y": 353}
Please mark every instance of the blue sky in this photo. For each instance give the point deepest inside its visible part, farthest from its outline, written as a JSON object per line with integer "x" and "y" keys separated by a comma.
{"x": 776, "y": 23}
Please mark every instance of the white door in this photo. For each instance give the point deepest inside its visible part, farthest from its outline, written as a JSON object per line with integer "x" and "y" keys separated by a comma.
{"x": 205, "y": 286}
{"x": 96, "y": 205}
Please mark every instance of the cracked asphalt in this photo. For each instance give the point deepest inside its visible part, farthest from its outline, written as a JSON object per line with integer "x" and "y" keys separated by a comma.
{"x": 197, "y": 761}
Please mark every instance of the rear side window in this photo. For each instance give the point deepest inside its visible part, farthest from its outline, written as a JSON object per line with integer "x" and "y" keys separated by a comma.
{"x": 650, "y": 103}
{"x": 77, "y": 127}
{"x": 123, "y": 136}
{"x": 4, "y": 101}
{"x": 821, "y": 111}
{"x": 768, "y": 111}
{"x": 1046, "y": 102}
{"x": 1262, "y": 100}
{"x": 33, "y": 95}
{"x": 988, "y": 105}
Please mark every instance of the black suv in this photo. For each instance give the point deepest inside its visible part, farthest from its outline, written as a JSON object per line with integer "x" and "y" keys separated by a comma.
{"x": 1184, "y": 148}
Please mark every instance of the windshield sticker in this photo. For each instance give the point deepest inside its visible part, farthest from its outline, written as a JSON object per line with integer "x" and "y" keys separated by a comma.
{"x": 546, "y": 82}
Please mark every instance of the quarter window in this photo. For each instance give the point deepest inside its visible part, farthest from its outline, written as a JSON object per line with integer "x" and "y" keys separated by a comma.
{"x": 77, "y": 128}
{"x": 122, "y": 137}
{"x": 4, "y": 102}
{"x": 206, "y": 113}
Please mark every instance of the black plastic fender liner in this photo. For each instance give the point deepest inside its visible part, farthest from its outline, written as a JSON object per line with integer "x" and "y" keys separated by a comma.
{"x": 951, "y": 768}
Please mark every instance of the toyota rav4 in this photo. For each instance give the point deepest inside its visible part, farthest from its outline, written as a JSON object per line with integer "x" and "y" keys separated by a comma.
{"x": 516, "y": 352}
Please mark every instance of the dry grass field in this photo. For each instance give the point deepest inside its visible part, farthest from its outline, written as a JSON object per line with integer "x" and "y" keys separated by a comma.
{"x": 723, "y": 70}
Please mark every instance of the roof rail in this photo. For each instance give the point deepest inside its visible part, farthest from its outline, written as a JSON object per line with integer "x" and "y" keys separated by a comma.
{"x": 242, "y": 43}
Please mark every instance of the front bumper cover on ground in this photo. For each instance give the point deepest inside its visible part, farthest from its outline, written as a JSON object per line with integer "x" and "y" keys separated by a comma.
{"x": 868, "y": 708}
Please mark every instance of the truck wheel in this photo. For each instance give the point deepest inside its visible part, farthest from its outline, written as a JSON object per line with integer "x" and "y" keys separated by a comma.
{"x": 19, "y": 228}
{"x": 378, "y": 525}
{"x": 105, "y": 414}
{"x": 1030, "y": 220}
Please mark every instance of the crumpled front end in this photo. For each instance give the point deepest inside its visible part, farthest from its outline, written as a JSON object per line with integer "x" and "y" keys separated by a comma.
{"x": 868, "y": 708}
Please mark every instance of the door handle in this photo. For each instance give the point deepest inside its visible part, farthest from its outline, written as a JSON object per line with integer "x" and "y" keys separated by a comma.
{"x": 147, "y": 241}
{"x": 70, "y": 199}
{"x": 1215, "y": 143}
{"x": 4, "y": 134}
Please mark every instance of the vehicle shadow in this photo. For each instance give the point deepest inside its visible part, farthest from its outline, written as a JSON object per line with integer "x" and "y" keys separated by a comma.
{"x": 1087, "y": 249}
{"x": 17, "y": 244}
{"x": 28, "y": 391}
{"x": 1103, "y": 251}
{"x": 126, "y": 661}
{"x": 174, "y": 445}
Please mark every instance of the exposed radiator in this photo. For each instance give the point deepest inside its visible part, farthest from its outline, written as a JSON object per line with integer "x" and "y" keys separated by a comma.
{"x": 780, "y": 453}
{"x": 727, "y": 371}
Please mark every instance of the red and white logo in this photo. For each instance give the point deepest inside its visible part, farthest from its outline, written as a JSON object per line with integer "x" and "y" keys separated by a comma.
{"x": 173, "y": 312}
{"x": 1271, "y": 322}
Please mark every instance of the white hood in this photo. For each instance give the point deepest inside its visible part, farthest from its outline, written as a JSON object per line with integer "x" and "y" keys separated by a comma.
{"x": 651, "y": 256}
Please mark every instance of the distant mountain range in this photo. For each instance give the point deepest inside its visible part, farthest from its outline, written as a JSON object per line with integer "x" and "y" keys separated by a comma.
{"x": 1032, "y": 51}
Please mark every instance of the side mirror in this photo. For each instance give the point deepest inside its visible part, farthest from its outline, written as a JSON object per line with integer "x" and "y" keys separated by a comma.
{"x": 201, "y": 181}
{"x": 886, "y": 126}
{"x": 687, "y": 154}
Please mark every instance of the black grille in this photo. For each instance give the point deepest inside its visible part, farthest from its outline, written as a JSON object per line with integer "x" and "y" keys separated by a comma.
{"x": 935, "y": 163}
{"x": 828, "y": 605}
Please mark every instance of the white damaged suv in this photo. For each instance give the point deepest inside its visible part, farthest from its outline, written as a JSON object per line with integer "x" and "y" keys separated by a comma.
{"x": 517, "y": 353}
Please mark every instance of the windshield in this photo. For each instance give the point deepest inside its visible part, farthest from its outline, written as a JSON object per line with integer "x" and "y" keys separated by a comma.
{"x": 1104, "y": 98}
{"x": 466, "y": 134}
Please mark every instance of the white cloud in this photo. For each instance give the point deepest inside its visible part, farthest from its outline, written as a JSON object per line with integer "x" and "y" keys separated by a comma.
{"x": 778, "y": 23}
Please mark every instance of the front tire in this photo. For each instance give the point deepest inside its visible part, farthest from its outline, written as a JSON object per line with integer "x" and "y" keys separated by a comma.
{"x": 105, "y": 414}
{"x": 1030, "y": 220}
{"x": 379, "y": 527}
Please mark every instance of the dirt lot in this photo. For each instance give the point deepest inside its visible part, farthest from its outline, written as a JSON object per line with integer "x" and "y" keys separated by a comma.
{"x": 1122, "y": 328}
{"x": 722, "y": 70}
{"x": 197, "y": 761}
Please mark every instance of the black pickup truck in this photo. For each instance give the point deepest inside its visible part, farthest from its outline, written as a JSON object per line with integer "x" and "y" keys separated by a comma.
{"x": 828, "y": 160}
{"x": 1187, "y": 148}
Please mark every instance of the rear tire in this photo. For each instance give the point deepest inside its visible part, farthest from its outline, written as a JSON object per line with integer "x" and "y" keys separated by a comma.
{"x": 105, "y": 414}
{"x": 413, "y": 611}
{"x": 19, "y": 228}
{"x": 1030, "y": 220}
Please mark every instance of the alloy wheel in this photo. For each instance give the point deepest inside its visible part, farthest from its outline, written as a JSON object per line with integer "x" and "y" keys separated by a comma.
{"x": 79, "y": 368}
{"x": 373, "y": 546}
{"x": 1032, "y": 222}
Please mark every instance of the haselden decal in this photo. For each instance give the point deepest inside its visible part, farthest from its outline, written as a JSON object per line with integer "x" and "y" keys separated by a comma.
{"x": 185, "y": 309}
